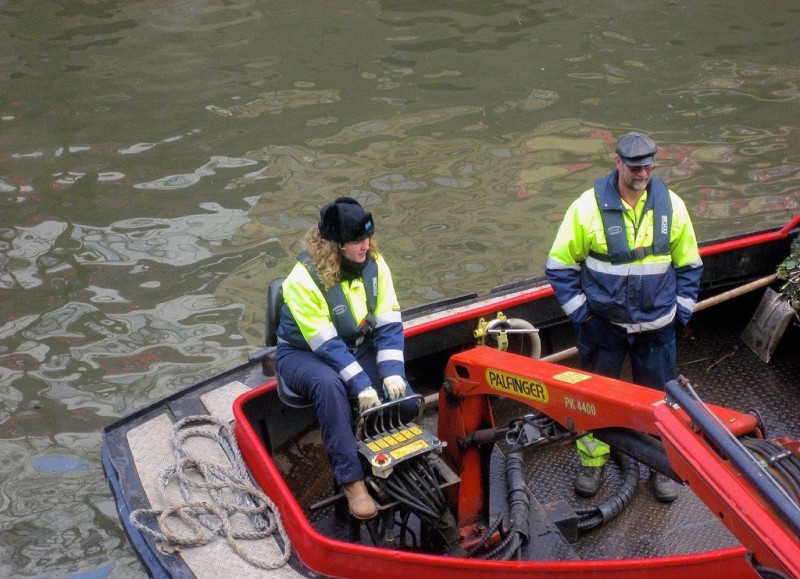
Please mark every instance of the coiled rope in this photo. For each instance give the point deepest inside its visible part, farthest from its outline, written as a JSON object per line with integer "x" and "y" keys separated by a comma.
{"x": 231, "y": 506}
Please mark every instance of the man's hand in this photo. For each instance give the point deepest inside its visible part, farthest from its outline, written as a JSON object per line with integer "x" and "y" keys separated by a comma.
{"x": 394, "y": 386}
{"x": 367, "y": 398}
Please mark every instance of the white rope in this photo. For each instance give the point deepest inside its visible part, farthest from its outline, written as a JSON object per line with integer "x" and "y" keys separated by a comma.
{"x": 228, "y": 493}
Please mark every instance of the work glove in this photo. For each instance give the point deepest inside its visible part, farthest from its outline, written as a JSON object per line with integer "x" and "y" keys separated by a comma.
{"x": 367, "y": 398}
{"x": 394, "y": 386}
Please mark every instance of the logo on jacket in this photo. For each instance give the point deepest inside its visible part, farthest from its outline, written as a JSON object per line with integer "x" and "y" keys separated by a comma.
{"x": 339, "y": 310}
{"x": 614, "y": 230}
{"x": 664, "y": 224}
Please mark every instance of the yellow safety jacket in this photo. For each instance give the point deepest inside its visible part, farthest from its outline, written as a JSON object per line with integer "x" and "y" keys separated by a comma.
{"x": 306, "y": 323}
{"x": 646, "y": 293}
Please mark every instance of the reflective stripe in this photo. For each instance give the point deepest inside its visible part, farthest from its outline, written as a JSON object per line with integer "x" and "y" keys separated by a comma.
{"x": 592, "y": 446}
{"x": 633, "y": 293}
{"x": 388, "y": 318}
{"x": 574, "y": 304}
{"x": 687, "y": 303}
{"x": 350, "y": 370}
{"x": 387, "y": 355}
{"x": 656, "y": 324}
{"x": 626, "y": 269}
{"x": 695, "y": 264}
{"x": 328, "y": 332}
{"x": 553, "y": 263}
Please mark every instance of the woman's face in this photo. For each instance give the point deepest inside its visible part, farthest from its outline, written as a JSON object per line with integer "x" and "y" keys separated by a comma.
{"x": 356, "y": 251}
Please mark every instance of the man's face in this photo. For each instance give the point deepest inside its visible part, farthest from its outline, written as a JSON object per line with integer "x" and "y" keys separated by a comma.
{"x": 634, "y": 178}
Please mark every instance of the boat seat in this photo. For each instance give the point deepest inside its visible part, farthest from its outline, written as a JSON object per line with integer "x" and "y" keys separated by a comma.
{"x": 274, "y": 304}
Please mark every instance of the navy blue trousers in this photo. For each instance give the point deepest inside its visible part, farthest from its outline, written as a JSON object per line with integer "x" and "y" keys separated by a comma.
{"x": 602, "y": 347}
{"x": 306, "y": 374}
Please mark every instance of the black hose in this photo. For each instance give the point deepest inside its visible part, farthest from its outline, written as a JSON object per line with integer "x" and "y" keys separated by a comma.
{"x": 426, "y": 470}
{"x": 783, "y": 465}
{"x": 681, "y": 391}
{"x": 401, "y": 494}
{"x": 519, "y": 509}
{"x": 505, "y": 549}
{"x": 414, "y": 485}
{"x": 427, "y": 482}
{"x": 489, "y": 532}
{"x": 514, "y": 541}
{"x": 518, "y": 498}
{"x": 592, "y": 517}
{"x": 406, "y": 530}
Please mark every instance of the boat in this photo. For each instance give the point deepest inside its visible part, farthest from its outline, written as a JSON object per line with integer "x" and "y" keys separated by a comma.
{"x": 480, "y": 481}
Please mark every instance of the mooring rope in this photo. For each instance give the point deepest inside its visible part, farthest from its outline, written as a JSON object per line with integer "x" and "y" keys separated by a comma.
{"x": 229, "y": 493}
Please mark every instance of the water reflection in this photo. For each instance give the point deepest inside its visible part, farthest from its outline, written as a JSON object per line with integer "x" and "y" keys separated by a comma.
{"x": 33, "y": 494}
{"x": 86, "y": 359}
{"x": 725, "y": 78}
{"x": 34, "y": 254}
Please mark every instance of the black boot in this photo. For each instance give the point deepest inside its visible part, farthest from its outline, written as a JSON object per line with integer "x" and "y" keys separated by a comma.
{"x": 589, "y": 480}
{"x": 664, "y": 488}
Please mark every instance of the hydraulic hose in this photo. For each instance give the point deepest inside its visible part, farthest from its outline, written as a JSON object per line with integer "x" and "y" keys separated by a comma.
{"x": 681, "y": 391}
{"x": 486, "y": 536}
{"x": 517, "y": 537}
{"x": 413, "y": 484}
{"x": 782, "y": 464}
{"x": 592, "y": 517}
{"x": 518, "y": 500}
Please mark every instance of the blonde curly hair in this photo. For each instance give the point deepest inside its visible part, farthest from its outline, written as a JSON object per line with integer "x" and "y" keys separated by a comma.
{"x": 327, "y": 258}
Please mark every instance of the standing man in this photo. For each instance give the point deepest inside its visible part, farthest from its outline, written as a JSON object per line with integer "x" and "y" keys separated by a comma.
{"x": 624, "y": 267}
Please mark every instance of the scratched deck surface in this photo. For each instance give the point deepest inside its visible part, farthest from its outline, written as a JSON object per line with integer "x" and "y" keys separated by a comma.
{"x": 722, "y": 369}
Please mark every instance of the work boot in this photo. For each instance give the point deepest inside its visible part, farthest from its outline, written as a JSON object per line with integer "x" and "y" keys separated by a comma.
{"x": 359, "y": 502}
{"x": 589, "y": 480}
{"x": 664, "y": 488}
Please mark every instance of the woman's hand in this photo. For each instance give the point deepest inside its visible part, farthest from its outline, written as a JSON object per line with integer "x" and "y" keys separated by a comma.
{"x": 394, "y": 386}
{"x": 367, "y": 398}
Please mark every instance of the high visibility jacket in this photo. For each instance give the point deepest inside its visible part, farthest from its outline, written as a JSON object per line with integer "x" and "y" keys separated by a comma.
{"x": 307, "y": 323}
{"x": 645, "y": 292}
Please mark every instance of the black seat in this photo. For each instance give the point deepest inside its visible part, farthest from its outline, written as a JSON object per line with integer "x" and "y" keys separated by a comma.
{"x": 274, "y": 304}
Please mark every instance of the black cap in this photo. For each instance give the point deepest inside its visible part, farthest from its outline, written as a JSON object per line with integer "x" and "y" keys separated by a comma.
{"x": 345, "y": 220}
{"x": 636, "y": 149}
